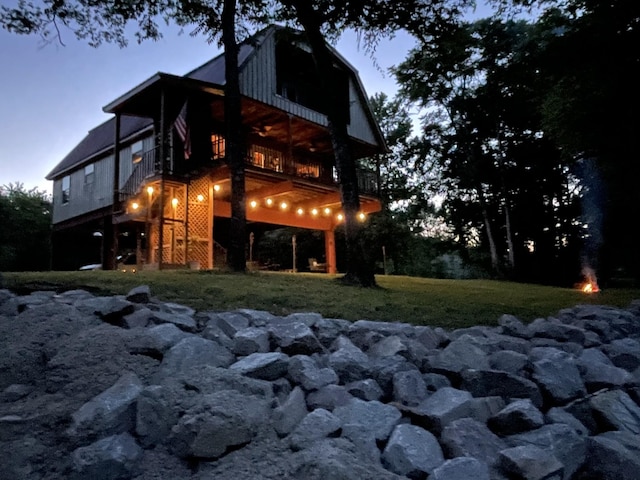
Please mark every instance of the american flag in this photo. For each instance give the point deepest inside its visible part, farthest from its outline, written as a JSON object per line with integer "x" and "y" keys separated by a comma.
{"x": 182, "y": 128}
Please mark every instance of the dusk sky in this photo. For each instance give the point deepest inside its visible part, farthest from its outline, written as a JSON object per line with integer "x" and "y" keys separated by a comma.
{"x": 52, "y": 95}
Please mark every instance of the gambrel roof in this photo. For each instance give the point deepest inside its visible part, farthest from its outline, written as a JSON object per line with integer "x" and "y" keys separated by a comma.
{"x": 100, "y": 140}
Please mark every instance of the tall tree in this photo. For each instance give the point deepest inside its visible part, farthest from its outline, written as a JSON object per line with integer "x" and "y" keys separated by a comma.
{"x": 322, "y": 19}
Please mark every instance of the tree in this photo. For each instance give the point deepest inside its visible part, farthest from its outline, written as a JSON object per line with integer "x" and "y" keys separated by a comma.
{"x": 26, "y": 228}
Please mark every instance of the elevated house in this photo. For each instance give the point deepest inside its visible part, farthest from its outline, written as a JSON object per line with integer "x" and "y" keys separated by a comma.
{"x": 168, "y": 194}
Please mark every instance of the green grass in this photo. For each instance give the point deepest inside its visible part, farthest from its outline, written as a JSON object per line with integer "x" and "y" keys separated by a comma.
{"x": 422, "y": 301}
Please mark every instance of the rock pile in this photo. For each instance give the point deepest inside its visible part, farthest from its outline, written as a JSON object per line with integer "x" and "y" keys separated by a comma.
{"x": 129, "y": 387}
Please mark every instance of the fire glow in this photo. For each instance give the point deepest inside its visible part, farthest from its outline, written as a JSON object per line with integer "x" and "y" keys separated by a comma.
{"x": 591, "y": 284}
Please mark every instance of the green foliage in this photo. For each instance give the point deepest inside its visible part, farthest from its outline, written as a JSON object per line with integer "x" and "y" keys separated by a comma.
{"x": 26, "y": 228}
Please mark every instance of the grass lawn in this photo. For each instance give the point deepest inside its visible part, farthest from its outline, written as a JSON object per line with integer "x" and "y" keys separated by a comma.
{"x": 423, "y": 301}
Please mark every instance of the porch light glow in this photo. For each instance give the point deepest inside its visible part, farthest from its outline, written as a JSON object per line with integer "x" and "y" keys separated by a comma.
{"x": 150, "y": 190}
{"x": 340, "y": 217}
{"x": 200, "y": 197}
{"x": 327, "y": 211}
{"x": 135, "y": 205}
{"x": 314, "y": 212}
{"x": 362, "y": 216}
{"x": 253, "y": 204}
{"x": 300, "y": 211}
{"x": 216, "y": 188}
{"x": 174, "y": 202}
{"x": 283, "y": 205}
{"x": 269, "y": 202}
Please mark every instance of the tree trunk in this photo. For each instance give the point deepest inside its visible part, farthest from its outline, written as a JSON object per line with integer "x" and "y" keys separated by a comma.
{"x": 495, "y": 264}
{"x": 235, "y": 142}
{"x": 359, "y": 266}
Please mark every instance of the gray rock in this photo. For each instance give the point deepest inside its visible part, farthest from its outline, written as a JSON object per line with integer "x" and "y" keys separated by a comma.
{"x": 376, "y": 418}
{"x": 511, "y": 325}
{"x": 219, "y": 421}
{"x": 388, "y": 346}
{"x": 483, "y": 408}
{"x": 429, "y": 337}
{"x": 559, "y": 379}
{"x": 412, "y": 451}
{"x": 110, "y": 412}
{"x": 15, "y": 392}
{"x": 508, "y": 361}
{"x": 459, "y": 355}
{"x": 609, "y": 459}
{"x": 518, "y": 416}
{"x": 138, "y": 319}
{"x": 348, "y": 361}
{"x": 616, "y": 410}
{"x": 487, "y": 383}
{"x": 304, "y": 371}
{"x": 111, "y": 458}
{"x": 530, "y": 463}
{"x": 624, "y": 353}
{"x": 435, "y": 381}
{"x": 109, "y": 309}
{"x": 230, "y": 322}
{"x": 383, "y": 370}
{"x": 156, "y": 414}
{"x": 444, "y": 406}
{"x": 469, "y": 438}
{"x": 288, "y": 415}
{"x": 461, "y": 468}
{"x": 554, "y": 329}
{"x": 294, "y": 337}
{"x": 181, "y": 320}
{"x": 250, "y": 340}
{"x": 265, "y": 366}
{"x": 329, "y": 397}
{"x": 409, "y": 387}
{"x": 257, "y": 318}
{"x": 367, "y": 389}
{"x": 558, "y": 415}
{"x": 165, "y": 336}
{"x": 562, "y": 441}
{"x": 213, "y": 332}
{"x": 140, "y": 294}
{"x": 316, "y": 425}
{"x": 191, "y": 352}
{"x": 327, "y": 330}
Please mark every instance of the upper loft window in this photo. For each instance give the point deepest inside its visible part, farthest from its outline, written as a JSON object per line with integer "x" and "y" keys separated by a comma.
{"x": 66, "y": 189}
{"x": 297, "y": 80}
{"x": 89, "y": 174}
{"x": 136, "y": 152}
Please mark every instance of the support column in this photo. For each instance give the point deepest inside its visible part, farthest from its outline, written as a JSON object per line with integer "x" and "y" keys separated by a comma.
{"x": 210, "y": 237}
{"x": 163, "y": 160}
{"x": 330, "y": 251}
{"x": 110, "y": 232}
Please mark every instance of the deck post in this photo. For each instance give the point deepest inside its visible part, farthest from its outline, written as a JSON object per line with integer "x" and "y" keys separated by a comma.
{"x": 330, "y": 251}
{"x": 162, "y": 151}
{"x": 110, "y": 234}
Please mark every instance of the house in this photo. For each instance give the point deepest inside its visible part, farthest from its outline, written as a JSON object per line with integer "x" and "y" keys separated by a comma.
{"x": 168, "y": 195}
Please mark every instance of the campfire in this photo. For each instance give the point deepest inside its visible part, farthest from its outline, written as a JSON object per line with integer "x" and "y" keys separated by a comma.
{"x": 590, "y": 285}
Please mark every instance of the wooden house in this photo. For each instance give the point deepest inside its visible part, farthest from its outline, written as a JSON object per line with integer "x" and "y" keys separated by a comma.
{"x": 168, "y": 194}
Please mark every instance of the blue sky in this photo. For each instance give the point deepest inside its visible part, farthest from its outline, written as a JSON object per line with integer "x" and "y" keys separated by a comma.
{"x": 52, "y": 95}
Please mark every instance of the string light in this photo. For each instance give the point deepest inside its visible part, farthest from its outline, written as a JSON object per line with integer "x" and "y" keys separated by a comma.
{"x": 135, "y": 205}
{"x": 200, "y": 197}
{"x": 327, "y": 211}
{"x": 253, "y": 204}
{"x": 340, "y": 217}
{"x": 269, "y": 202}
{"x": 300, "y": 211}
{"x": 216, "y": 188}
{"x": 174, "y": 202}
{"x": 314, "y": 212}
{"x": 283, "y": 205}
{"x": 150, "y": 190}
{"x": 362, "y": 216}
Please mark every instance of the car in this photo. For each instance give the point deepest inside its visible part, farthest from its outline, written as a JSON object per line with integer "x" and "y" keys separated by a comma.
{"x": 126, "y": 263}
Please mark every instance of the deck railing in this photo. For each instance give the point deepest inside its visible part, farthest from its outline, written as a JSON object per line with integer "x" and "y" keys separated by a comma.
{"x": 308, "y": 169}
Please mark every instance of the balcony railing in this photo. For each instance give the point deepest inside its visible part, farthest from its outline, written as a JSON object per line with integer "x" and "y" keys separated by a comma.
{"x": 309, "y": 169}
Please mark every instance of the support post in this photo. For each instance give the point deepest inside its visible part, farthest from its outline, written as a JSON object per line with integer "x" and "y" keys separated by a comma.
{"x": 330, "y": 251}
{"x": 210, "y": 237}
{"x": 163, "y": 160}
{"x": 110, "y": 234}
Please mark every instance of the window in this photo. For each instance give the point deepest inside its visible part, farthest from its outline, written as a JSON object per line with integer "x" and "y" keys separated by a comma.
{"x": 136, "y": 152}
{"x": 66, "y": 187}
{"x": 217, "y": 146}
{"x": 264, "y": 157}
{"x": 297, "y": 80}
{"x": 89, "y": 175}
